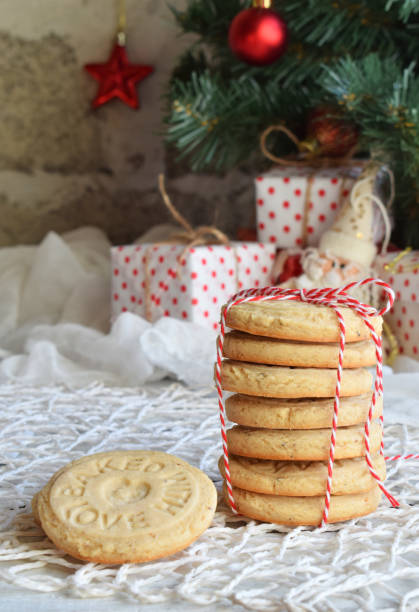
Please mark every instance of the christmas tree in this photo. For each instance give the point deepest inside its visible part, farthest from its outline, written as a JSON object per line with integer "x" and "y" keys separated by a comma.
{"x": 355, "y": 56}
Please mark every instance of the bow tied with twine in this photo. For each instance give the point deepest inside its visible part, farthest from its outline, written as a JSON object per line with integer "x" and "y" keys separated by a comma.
{"x": 309, "y": 152}
{"x": 191, "y": 237}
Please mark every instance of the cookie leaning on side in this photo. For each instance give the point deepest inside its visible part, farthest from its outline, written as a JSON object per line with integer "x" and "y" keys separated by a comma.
{"x": 125, "y": 506}
{"x": 281, "y": 360}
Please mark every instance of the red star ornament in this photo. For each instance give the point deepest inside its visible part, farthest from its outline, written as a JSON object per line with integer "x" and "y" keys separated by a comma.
{"x": 117, "y": 78}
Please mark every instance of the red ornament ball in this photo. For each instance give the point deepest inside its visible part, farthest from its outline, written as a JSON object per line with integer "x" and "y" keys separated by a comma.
{"x": 334, "y": 135}
{"x": 258, "y": 36}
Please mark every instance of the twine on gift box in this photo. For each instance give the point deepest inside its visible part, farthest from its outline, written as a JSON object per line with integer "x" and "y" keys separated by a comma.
{"x": 201, "y": 235}
{"x": 391, "y": 265}
{"x": 309, "y": 155}
{"x": 333, "y": 298}
{"x": 190, "y": 237}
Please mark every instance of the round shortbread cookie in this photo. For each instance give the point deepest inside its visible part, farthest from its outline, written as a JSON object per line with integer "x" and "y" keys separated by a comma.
{"x": 302, "y": 444}
{"x": 273, "y": 413}
{"x": 259, "y": 349}
{"x": 303, "y": 510}
{"x": 302, "y": 478}
{"x": 292, "y": 320}
{"x": 279, "y": 381}
{"x": 126, "y": 506}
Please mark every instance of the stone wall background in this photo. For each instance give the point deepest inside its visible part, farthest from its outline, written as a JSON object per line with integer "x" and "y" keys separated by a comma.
{"x": 63, "y": 165}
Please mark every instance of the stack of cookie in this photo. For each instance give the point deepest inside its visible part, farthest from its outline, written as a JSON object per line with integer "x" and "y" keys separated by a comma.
{"x": 280, "y": 361}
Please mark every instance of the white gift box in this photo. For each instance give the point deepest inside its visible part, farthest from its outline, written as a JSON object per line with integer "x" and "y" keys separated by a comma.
{"x": 403, "y": 318}
{"x": 294, "y": 206}
{"x": 155, "y": 280}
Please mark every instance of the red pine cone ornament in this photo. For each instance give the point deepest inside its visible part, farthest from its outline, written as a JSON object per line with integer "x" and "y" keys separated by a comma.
{"x": 258, "y": 35}
{"x": 334, "y": 136}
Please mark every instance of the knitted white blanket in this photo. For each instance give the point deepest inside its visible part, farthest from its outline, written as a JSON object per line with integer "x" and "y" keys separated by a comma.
{"x": 365, "y": 564}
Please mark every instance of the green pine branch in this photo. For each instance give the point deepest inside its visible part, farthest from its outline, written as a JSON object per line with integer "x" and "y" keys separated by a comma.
{"x": 216, "y": 124}
{"x": 355, "y": 27}
{"x": 382, "y": 98}
{"x": 404, "y": 8}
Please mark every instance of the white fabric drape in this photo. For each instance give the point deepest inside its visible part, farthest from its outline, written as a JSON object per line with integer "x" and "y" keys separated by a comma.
{"x": 55, "y": 321}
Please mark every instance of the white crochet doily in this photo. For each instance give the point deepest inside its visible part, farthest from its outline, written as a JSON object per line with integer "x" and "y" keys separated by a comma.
{"x": 366, "y": 564}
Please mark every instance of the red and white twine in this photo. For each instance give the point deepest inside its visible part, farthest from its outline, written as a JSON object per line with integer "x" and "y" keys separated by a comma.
{"x": 333, "y": 298}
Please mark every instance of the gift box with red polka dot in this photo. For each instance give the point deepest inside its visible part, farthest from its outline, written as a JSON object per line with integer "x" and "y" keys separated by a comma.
{"x": 297, "y": 204}
{"x": 402, "y": 274}
{"x": 186, "y": 283}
